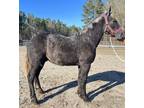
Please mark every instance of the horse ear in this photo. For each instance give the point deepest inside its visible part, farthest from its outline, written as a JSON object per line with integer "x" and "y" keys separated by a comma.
{"x": 109, "y": 11}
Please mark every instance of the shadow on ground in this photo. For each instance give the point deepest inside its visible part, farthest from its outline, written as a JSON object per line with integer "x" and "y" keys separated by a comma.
{"x": 113, "y": 78}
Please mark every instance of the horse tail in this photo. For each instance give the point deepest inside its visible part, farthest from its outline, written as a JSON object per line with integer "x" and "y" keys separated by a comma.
{"x": 27, "y": 65}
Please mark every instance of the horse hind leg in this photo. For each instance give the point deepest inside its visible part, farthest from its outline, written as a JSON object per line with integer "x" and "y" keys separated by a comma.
{"x": 37, "y": 83}
{"x": 40, "y": 66}
{"x": 31, "y": 77}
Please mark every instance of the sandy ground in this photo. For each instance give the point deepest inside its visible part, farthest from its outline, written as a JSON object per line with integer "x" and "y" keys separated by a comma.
{"x": 105, "y": 86}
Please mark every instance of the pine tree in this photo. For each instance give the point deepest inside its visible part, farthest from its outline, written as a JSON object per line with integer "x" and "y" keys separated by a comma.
{"x": 118, "y": 10}
{"x": 22, "y": 20}
{"x": 92, "y": 9}
{"x": 28, "y": 22}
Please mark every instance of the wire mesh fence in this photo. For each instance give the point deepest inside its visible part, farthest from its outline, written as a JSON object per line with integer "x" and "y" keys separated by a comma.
{"x": 105, "y": 42}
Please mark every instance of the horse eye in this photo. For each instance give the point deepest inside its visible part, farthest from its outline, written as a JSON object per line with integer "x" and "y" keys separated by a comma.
{"x": 115, "y": 21}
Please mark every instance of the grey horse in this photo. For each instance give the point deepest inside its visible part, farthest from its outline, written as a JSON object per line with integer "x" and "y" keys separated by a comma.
{"x": 77, "y": 50}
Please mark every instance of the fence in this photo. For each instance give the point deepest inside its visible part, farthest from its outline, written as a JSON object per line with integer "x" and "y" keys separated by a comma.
{"x": 105, "y": 42}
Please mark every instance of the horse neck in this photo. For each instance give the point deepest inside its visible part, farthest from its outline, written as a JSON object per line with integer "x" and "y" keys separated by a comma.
{"x": 97, "y": 32}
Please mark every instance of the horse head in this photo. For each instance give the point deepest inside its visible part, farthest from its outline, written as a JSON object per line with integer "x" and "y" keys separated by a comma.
{"x": 112, "y": 26}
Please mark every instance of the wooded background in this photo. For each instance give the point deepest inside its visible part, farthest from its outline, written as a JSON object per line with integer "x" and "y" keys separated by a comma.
{"x": 29, "y": 24}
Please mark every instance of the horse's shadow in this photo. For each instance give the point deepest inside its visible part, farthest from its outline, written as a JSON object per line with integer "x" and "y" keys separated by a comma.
{"x": 114, "y": 78}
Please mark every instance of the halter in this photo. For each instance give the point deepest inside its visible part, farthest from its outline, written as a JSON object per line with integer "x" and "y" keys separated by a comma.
{"x": 108, "y": 28}
{"x": 112, "y": 32}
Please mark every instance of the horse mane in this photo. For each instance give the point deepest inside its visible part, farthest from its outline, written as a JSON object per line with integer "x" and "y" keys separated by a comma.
{"x": 96, "y": 22}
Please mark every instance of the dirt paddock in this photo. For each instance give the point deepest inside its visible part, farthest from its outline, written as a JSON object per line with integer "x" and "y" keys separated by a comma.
{"x": 105, "y": 85}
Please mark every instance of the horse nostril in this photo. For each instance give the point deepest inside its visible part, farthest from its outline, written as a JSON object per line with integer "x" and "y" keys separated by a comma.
{"x": 120, "y": 36}
{"x": 123, "y": 35}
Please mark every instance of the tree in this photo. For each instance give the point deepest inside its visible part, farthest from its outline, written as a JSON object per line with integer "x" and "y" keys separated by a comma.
{"x": 22, "y": 25}
{"x": 22, "y": 20}
{"x": 92, "y": 9}
{"x": 118, "y": 10}
{"x": 30, "y": 19}
{"x": 30, "y": 25}
{"x": 58, "y": 26}
{"x": 74, "y": 30}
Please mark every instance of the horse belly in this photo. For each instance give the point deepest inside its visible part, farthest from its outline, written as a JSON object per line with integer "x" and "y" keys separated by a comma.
{"x": 63, "y": 58}
{"x": 62, "y": 51}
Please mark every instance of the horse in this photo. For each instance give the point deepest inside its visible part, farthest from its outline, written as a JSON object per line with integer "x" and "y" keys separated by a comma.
{"x": 77, "y": 50}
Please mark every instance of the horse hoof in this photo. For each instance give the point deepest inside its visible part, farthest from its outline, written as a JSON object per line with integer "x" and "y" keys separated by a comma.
{"x": 34, "y": 101}
{"x": 86, "y": 99}
{"x": 41, "y": 91}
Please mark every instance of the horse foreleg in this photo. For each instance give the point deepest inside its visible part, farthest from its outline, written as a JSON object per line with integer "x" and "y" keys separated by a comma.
{"x": 82, "y": 78}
